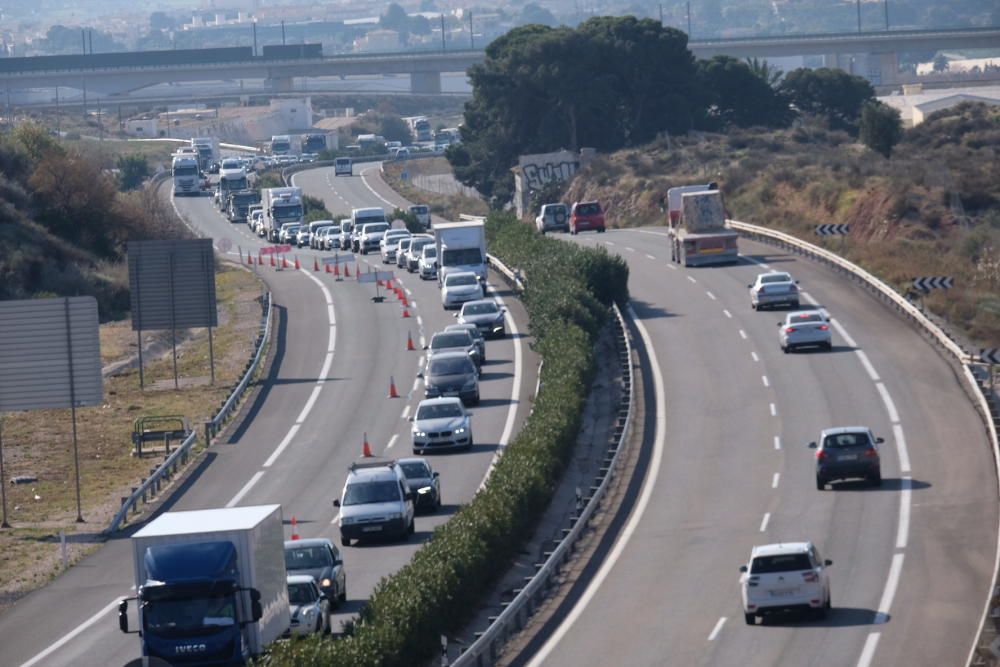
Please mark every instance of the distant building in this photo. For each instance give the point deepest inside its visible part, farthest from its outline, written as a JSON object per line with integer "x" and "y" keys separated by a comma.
{"x": 924, "y": 109}
{"x": 378, "y": 41}
{"x": 142, "y": 127}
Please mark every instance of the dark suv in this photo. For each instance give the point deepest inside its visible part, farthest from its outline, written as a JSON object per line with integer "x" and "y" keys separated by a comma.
{"x": 845, "y": 453}
{"x": 586, "y": 215}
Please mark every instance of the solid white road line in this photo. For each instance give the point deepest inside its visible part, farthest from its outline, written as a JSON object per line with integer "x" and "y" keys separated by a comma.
{"x": 610, "y": 242}
{"x": 903, "y": 531}
{"x": 309, "y": 404}
{"x": 901, "y": 451}
{"x": 647, "y": 491}
{"x": 671, "y": 267}
{"x": 370, "y": 188}
{"x": 281, "y": 446}
{"x": 890, "y": 407}
{"x": 630, "y": 249}
{"x": 843, "y": 333}
{"x": 868, "y": 365}
{"x": 246, "y": 488}
{"x": 890, "y": 589}
{"x": 777, "y": 442}
{"x": 65, "y": 639}
{"x": 718, "y": 627}
{"x": 763, "y": 523}
{"x": 868, "y": 652}
{"x": 416, "y": 384}
{"x": 775, "y": 479}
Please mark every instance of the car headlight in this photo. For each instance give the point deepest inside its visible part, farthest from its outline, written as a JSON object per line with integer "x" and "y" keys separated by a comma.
{"x": 394, "y": 516}
{"x": 326, "y": 583}
{"x": 420, "y": 434}
{"x": 346, "y": 520}
{"x": 460, "y": 430}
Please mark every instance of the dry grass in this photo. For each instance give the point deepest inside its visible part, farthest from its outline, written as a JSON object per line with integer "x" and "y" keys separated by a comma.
{"x": 446, "y": 206}
{"x": 39, "y": 443}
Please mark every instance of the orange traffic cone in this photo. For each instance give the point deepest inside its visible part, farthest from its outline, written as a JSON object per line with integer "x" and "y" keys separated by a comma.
{"x": 336, "y": 270}
{"x": 327, "y": 268}
{"x": 392, "y": 388}
{"x": 406, "y": 313}
{"x": 388, "y": 284}
{"x": 404, "y": 299}
{"x": 284, "y": 263}
{"x": 347, "y": 271}
{"x": 315, "y": 263}
{"x": 297, "y": 265}
{"x": 366, "y": 450}
{"x": 409, "y": 342}
{"x": 272, "y": 259}
{"x": 260, "y": 258}
{"x": 295, "y": 528}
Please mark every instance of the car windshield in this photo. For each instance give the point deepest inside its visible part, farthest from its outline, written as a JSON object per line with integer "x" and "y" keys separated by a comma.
{"x": 417, "y": 244}
{"x": 439, "y": 411}
{"x": 362, "y": 493}
{"x": 361, "y": 220}
{"x": 467, "y": 279}
{"x": 457, "y": 339}
{"x": 471, "y": 328}
{"x": 188, "y": 616}
{"x": 301, "y": 594}
{"x": 480, "y": 309}
{"x": 293, "y": 212}
{"x": 776, "y": 278}
{"x": 372, "y": 229}
{"x": 430, "y": 252}
{"x": 292, "y": 229}
{"x": 588, "y": 209}
{"x": 450, "y": 366}
{"x": 462, "y": 256}
{"x": 780, "y": 563}
{"x": 307, "y": 558}
{"x": 404, "y": 244}
{"x": 419, "y": 209}
{"x": 415, "y": 470}
{"x": 846, "y": 440}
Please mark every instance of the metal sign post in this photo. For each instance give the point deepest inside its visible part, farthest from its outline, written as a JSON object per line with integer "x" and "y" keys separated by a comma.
{"x": 3, "y": 482}
{"x": 72, "y": 407}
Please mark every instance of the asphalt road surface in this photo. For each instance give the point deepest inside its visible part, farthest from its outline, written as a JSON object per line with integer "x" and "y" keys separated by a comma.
{"x": 334, "y": 354}
{"x": 730, "y": 469}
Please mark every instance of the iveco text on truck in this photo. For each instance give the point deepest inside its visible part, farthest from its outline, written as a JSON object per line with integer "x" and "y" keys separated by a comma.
{"x": 210, "y": 585}
{"x": 281, "y": 206}
{"x": 699, "y": 235}
{"x": 461, "y": 246}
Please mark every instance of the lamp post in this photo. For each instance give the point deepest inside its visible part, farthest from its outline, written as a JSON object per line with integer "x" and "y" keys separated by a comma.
{"x": 254, "y": 27}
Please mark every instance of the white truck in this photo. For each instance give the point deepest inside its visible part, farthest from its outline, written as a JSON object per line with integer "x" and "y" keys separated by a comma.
{"x": 281, "y": 206}
{"x": 232, "y": 178}
{"x": 186, "y": 175}
{"x": 461, "y": 246}
{"x": 698, "y": 233}
{"x": 208, "y": 150}
{"x": 286, "y": 144}
{"x": 210, "y": 585}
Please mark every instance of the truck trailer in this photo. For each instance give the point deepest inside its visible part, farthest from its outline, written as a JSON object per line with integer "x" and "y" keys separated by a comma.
{"x": 461, "y": 246}
{"x": 208, "y": 150}
{"x": 699, "y": 235}
{"x": 210, "y": 585}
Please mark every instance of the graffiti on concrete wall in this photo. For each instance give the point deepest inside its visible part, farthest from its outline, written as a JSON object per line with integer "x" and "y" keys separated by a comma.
{"x": 544, "y": 168}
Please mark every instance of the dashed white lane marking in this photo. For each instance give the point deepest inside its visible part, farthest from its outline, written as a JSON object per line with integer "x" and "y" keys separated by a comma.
{"x": 651, "y": 257}
{"x": 423, "y": 341}
{"x": 671, "y": 267}
{"x": 710, "y": 296}
{"x": 901, "y": 450}
{"x": 743, "y": 334}
{"x": 775, "y": 480}
{"x": 763, "y": 523}
{"x": 903, "y": 530}
{"x": 890, "y": 407}
{"x": 420, "y": 364}
{"x": 246, "y": 489}
{"x": 610, "y": 242}
{"x": 392, "y": 441}
{"x": 763, "y": 378}
{"x": 406, "y": 412}
{"x": 65, "y": 639}
{"x": 335, "y": 519}
{"x": 755, "y": 357}
{"x": 868, "y": 365}
{"x": 843, "y": 333}
{"x": 774, "y": 408}
{"x": 717, "y": 629}
{"x": 727, "y": 313}
{"x": 281, "y": 446}
{"x": 777, "y": 442}
{"x": 691, "y": 278}
{"x": 630, "y": 249}
{"x": 868, "y": 652}
{"x": 420, "y": 321}
{"x": 416, "y": 384}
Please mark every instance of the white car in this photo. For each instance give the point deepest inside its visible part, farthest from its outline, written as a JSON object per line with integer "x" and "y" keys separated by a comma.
{"x": 303, "y": 237}
{"x": 332, "y": 239}
{"x": 310, "y": 610}
{"x": 809, "y": 328}
{"x": 460, "y": 287}
{"x": 370, "y": 236}
{"x": 417, "y": 242}
{"x": 774, "y": 289}
{"x": 427, "y": 267}
{"x": 785, "y": 577}
{"x": 390, "y": 242}
{"x": 288, "y": 232}
{"x": 440, "y": 424}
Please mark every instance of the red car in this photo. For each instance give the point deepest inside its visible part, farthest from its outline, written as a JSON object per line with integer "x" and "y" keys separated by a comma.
{"x": 586, "y": 215}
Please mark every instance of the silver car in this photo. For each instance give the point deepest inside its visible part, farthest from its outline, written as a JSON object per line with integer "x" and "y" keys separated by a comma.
{"x": 401, "y": 249}
{"x": 332, "y": 241}
{"x": 309, "y": 610}
{"x": 413, "y": 251}
{"x": 441, "y": 423}
{"x": 452, "y": 374}
{"x": 774, "y": 289}
{"x": 476, "y": 334}
{"x": 804, "y": 329}
{"x": 460, "y": 287}
{"x": 389, "y": 243}
{"x": 454, "y": 341}
{"x": 487, "y": 315}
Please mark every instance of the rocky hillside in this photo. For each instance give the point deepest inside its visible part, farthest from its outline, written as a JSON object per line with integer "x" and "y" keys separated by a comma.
{"x": 932, "y": 209}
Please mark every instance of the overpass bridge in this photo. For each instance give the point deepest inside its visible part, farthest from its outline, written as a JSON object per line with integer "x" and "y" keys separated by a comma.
{"x": 873, "y": 54}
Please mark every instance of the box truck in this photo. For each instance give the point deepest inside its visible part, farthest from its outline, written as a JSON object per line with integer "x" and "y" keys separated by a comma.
{"x": 210, "y": 585}
{"x": 208, "y": 150}
{"x": 699, "y": 235}
{"x": 461, "y": 246}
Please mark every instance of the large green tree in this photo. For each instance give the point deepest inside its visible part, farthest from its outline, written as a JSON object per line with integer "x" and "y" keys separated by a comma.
{"x": 611, "y": 82}
{"x": 739, "y": 96}
{"x": 881, "y": 127}
{"x": 832, "y": 93}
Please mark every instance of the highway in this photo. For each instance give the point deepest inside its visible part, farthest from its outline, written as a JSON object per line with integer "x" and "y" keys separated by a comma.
{"x": 730, "y": 469}
{"x": 334, "y": 351}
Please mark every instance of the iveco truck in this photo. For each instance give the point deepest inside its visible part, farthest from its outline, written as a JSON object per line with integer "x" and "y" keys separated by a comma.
{"x": 281, "y": 206}
{"x": 210, "y": 585}
{"x": 186, "y": 175}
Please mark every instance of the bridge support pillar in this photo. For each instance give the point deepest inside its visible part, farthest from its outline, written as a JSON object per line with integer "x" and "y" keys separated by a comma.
{"x": 282, "y": 85}
{"x": 883, "y": 68}
{"x": 426, "y": 83}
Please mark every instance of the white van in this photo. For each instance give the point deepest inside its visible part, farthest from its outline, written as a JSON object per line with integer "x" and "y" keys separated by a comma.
{"x": 376, "y": 502}
{"x": 343, "y": 166}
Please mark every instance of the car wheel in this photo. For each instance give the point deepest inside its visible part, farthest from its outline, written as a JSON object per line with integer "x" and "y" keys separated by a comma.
{"x": 413, "y": 527}
{"x": 600, "y": 230}
{"x": 754, "y": 306}
{"x": 876, "y": 479}
{"x": 328, "y": 623}
{"x": 342, "y": 596}
{"x": 345, "y": 541}
{"x": 750, "y": 619}
{"x": 828, "y": 347}
{"x": 820, "y": 484}
{"x": 418, "y": 452}
{"x": 319, "y": 625}
{"x": 785, "y": 349}
{"x": 475, "y": 401}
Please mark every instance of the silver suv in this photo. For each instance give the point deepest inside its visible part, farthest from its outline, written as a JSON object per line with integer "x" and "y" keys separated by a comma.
{"x": 376, "y": 502}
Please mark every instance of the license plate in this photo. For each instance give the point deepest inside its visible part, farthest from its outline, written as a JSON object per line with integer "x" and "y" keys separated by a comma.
{"x": 371, "y": 529}
{"x": 781, "y": 594}
{"x": 848, "y": 457}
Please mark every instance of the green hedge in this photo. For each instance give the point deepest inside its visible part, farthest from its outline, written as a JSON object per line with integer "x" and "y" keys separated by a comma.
{"x": 569, "y": 290}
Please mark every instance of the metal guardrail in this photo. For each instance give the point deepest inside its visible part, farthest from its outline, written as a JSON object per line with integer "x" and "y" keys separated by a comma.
{"x": 150, "y": 486}
{"x": 936, "y": 333}
{"x": 514, "y": 277}
{"x": 514, "y": 617}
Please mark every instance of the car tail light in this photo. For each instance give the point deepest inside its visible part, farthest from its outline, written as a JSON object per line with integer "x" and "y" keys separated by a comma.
{"x": 821, "y": 455}
{"x": 790, "y": 329}
{"x": 761, "y": 290}
{"x": 823, "y": 327}
{"x": 810, "y": 576}
{"x": 871, "y": 452}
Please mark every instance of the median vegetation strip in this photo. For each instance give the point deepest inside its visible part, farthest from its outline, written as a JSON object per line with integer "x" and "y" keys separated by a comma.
{"x": 38, "y": 444}
{"x": 569, "y": 290}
